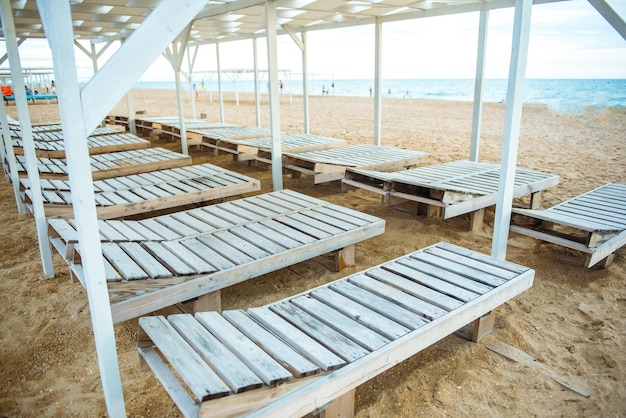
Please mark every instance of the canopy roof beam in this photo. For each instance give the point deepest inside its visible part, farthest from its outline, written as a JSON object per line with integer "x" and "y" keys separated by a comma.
{"x": 610, "y": 15}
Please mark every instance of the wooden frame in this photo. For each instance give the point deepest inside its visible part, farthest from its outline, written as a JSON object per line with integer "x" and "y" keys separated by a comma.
{"x": 330, "y": 339}
{"x": 99, "y": 144}
{"x": 593, "y": 223}
{"x": 112, "y": 164}
{"x": 449, "y": 189}
{"x": 147, "y": 192}
{"x": 331, "y": 164}
{"x": 158, "y": 262}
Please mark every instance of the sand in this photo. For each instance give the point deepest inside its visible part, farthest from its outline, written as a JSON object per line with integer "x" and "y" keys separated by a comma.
{"x": 573, "y": 320}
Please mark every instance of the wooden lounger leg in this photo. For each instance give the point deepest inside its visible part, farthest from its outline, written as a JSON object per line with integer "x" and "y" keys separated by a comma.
{"x": 479, "y": 328}
{"x": 209, "y": 302}
{"x": 341, "y": 407}
{"x": 602, "y": 264}
{"x": 535, "y": 201}
{"x": 476, "y": 220}
{"x": 345, "y": 257}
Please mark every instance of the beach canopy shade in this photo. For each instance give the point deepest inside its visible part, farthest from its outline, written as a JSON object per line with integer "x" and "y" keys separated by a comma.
{"x": 220, "y": 21}
{"x": 190, "y": 23}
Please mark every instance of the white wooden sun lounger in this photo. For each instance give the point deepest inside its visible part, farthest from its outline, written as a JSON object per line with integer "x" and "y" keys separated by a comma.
{"x": 453, "y": 189}
{"x": 158, "y": 262}
{"x": 54, "y": 133}
{"x": 260, "y": 149}
{"x": 331, "y": 164}
{"x": 147, "y": 192}
{"x": 111, "y": 164}
{"x": 99, "y": 144}
{"x": 308, "y": 353}
{"x": 211, "y": 137}
{"x": 593, "y": 223}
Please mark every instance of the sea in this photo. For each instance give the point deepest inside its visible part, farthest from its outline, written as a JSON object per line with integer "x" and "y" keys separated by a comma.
{"x": 562, "y": 95}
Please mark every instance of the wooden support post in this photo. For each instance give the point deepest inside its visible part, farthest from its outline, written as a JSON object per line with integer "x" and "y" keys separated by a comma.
{"x": 209, "y": 302}
{"x": 480, "y": 327}
{"x": 476, "y": 220}
{"x": 602, "y": 264}
{"x": 535, "y": 201}
{"x": 422, "y": 209}
{"x": 432, "y": 211}
{"x": 341, "y": 407}
{"x": 345, "y": 257}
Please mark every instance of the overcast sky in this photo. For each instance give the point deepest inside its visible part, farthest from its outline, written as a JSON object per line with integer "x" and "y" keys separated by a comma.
{"x": 568, "y": 40}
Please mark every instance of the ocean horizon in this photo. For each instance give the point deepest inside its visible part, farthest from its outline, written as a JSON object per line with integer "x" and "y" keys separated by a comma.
{"x": 564, "y": 95}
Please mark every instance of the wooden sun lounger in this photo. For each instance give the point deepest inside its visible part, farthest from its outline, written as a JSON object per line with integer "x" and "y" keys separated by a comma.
{"x": 308, "y": 353}
{"x": 211, "y": 138}
{"x": 51, "y": 133}
{"x": 97, "y": 145}
{"x": 161, "y": 261}
{"x": 147, "y": 192}
{"x": 112, "y": 164}
{"x": 260, "y": 149}
{"x": 453, "y": 189}
{"x": 331, "y": 164}
{"x": 593, "y": 223}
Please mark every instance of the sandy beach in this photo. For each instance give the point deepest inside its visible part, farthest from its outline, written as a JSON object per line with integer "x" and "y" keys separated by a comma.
{"x": 573, "y": 320}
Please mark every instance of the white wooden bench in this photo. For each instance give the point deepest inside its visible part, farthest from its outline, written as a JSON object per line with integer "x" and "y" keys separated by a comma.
{"x": 593, "y": 223}
{"x": 449, "y": 189}
{"x": 309, "y": 352}
{"x": 146, "y": 192}
{"x": 331, "y": 164}
{"x": 98, "y": 144}
{"x": 157, "y": 262}
{"x": 111, "y": 164}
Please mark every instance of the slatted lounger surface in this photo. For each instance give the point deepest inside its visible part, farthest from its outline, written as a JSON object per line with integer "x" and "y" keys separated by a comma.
{"x": 211, "y": 137}
{"x": 147, "y": 192}
{"x": 112, "y": 164}
{"x": 594, "y": 223}
{"x": 54, "y": 133}
{"x": 454, "y": 188}
{"x": 260, "y": 149}
{"x": 97, "y": 145}
{"x": 331, "y": 164}
{"x": 298, "y": 355}
{"x": 157, "y": 262}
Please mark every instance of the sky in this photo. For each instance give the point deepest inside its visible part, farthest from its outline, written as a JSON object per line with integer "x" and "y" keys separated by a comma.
{"x": 568, "y": 40}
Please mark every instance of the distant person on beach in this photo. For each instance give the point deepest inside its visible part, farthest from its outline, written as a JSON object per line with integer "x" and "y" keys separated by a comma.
{"x": 370, "y": 91}
{"x": 28, "y": 91}
{"x": 195, "y": 91}
{"x": 202, "y": 85}
{"x": 280, "y": 84}
{"x": 389, "y": 91}
{"x": 53, "y": 88}
{"x": 323, "y": 90}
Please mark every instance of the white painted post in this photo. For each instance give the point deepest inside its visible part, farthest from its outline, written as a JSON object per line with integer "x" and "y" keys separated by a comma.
{"x": 512, "y": 123}
{"x": 378, "y": 30}
{"x": 10, "y": 157}
{"x": 305, "y": 85}
{"x": 219, "y": 82}
{"x": 118, "y": 75}
{"x": 478, "y": 84}
{"x": 257, "y": 94}
{"x": 58, "y": 26}
{"x": 8, "y": 27}
{"x": 272, "y": 63}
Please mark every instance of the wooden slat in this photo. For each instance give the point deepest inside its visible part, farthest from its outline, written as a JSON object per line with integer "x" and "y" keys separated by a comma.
{"x": 228, "y": 366}
{"x": 199, "y": 377}
{"x": 289, "y": 358}
{"x": 320, "y": 355}
{"x": 268, "y": 369}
